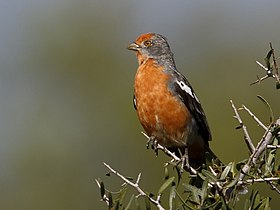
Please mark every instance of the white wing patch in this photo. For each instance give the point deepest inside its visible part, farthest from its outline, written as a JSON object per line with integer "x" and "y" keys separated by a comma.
{"x": 134, "y": 102}
{"x": 187, "y": 89}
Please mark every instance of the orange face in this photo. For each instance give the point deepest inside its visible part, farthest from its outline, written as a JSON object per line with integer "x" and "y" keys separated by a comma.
{"x": 140, "y": 43}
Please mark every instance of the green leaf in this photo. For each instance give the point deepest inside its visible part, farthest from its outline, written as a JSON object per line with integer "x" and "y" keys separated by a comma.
{"x": 204, "y": 190}
{"x": 270, "y": 161}
{"x": 201, "y": 176}
{"x": 117, "y": 206}
{"x": 138, "y": 207}
{"x": 194, "y": 191}
{"x": 121, "y": 196}
{"x": 148, "y": 204}
{"x": 267, "y": 59}
{"x": 254, "y": 198}
{"x": 110, "y": 200}
{"x": 219, "y": 206}
{"x": 276, "y": 167}
{"x": 226, "y": 171}
{"x": 277, "y": 85}
{"x": 102, "y": 188}
{"x": 166, "y": 173}
{"x": 266, "y": 207}
{"x": 165, "y": 185}
{"x": 240, "y": 165}
{"x": 172, "y": 195}
{"x": 233, "y": 182}
{"x": 215, "y": 205}
{"x": 130, "y": 202}
{"x": 184, "y": 204}
{"x": 246, "y": 205}
{"x": 271, "y": 118}
{"x": 257, "y": 205}
{"x": 233, "y": 169}
{"x": 209, "y": 175}
{"x": 275, "y": 130}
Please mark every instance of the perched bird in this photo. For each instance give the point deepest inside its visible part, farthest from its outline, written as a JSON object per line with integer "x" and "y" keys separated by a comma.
{"x": 166, "y": 104}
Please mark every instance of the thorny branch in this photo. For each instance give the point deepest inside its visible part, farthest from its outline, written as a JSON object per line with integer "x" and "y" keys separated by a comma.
{"x": 254, "y": 117}
{"x": 258, "y": 81}
{"x": 191, "y": 170}
{"x": 256, "y": 152}
{"x": 252, "y": 161}
{"x": 247, "y": 138}
{"x": 136, "y": 186}
{"x": 271, "y": 70}
{"x": 255, "y": 155}
{"x": 170, "y": 154}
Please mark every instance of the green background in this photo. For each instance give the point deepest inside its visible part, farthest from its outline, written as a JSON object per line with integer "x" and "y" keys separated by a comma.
{"x": 66, "y": 85}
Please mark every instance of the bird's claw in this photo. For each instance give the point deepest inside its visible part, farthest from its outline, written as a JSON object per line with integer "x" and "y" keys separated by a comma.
{"x": 184, "y": 163}
{"x": 153, "y": 143}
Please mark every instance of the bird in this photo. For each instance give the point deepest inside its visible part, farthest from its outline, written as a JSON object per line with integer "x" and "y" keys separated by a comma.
{"x": 166, "y": 104}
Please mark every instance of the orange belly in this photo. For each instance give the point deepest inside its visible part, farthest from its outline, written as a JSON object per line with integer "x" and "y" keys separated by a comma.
{"x": 161, "y": 114}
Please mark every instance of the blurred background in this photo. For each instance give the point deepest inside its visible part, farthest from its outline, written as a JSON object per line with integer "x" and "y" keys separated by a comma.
{"x": 66, "y": 85}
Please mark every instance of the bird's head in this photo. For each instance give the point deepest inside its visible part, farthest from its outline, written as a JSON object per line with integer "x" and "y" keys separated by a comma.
{"x": 151, "y": 45}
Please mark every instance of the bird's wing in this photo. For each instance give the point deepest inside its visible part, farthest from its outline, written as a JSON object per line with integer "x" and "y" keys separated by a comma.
{"x": 186, "y": 93}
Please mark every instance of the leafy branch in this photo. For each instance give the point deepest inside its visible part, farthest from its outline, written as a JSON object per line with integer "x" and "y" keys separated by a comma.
{"x": 270, "y": 67}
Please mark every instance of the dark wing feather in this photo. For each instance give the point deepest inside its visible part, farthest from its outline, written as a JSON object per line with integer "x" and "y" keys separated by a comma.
{"x": 187, "y": 95}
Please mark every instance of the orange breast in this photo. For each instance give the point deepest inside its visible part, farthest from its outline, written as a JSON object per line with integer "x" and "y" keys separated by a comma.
{"x": 161, "y": 114}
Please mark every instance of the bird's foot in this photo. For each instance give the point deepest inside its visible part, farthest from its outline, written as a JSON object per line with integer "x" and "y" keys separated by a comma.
{"x": 185, "y": 160}
{"x": 153, "y": 143}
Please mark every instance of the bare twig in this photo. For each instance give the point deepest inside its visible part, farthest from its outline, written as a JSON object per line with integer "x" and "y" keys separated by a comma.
{"x": 261, "y": 65}
{"x": 264, "y": 77}
{"x": 254, "y": 117}
{"x": 268, "y": 180}
{"x": 247, "y": 138}
{"x": 273, "y": 146}
{"x": 273, "y": 186}
{"x": 266, "y": 139}
{"x": 136, "y": 186}
{"x": 259, "y": 180}
{"x": 258, "y": 81}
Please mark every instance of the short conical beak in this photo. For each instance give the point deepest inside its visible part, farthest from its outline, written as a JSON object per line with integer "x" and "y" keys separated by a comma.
{"x": 133, "y": 46}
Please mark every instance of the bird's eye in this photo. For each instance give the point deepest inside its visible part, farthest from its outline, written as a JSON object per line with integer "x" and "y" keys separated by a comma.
{"x": 148, "y": 43}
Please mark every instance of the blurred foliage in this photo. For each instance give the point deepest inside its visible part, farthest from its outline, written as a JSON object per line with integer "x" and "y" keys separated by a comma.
{"x": 66, "y": 83}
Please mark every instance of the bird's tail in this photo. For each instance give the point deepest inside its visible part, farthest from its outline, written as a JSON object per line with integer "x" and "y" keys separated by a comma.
{"x": 212, "y": 160}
